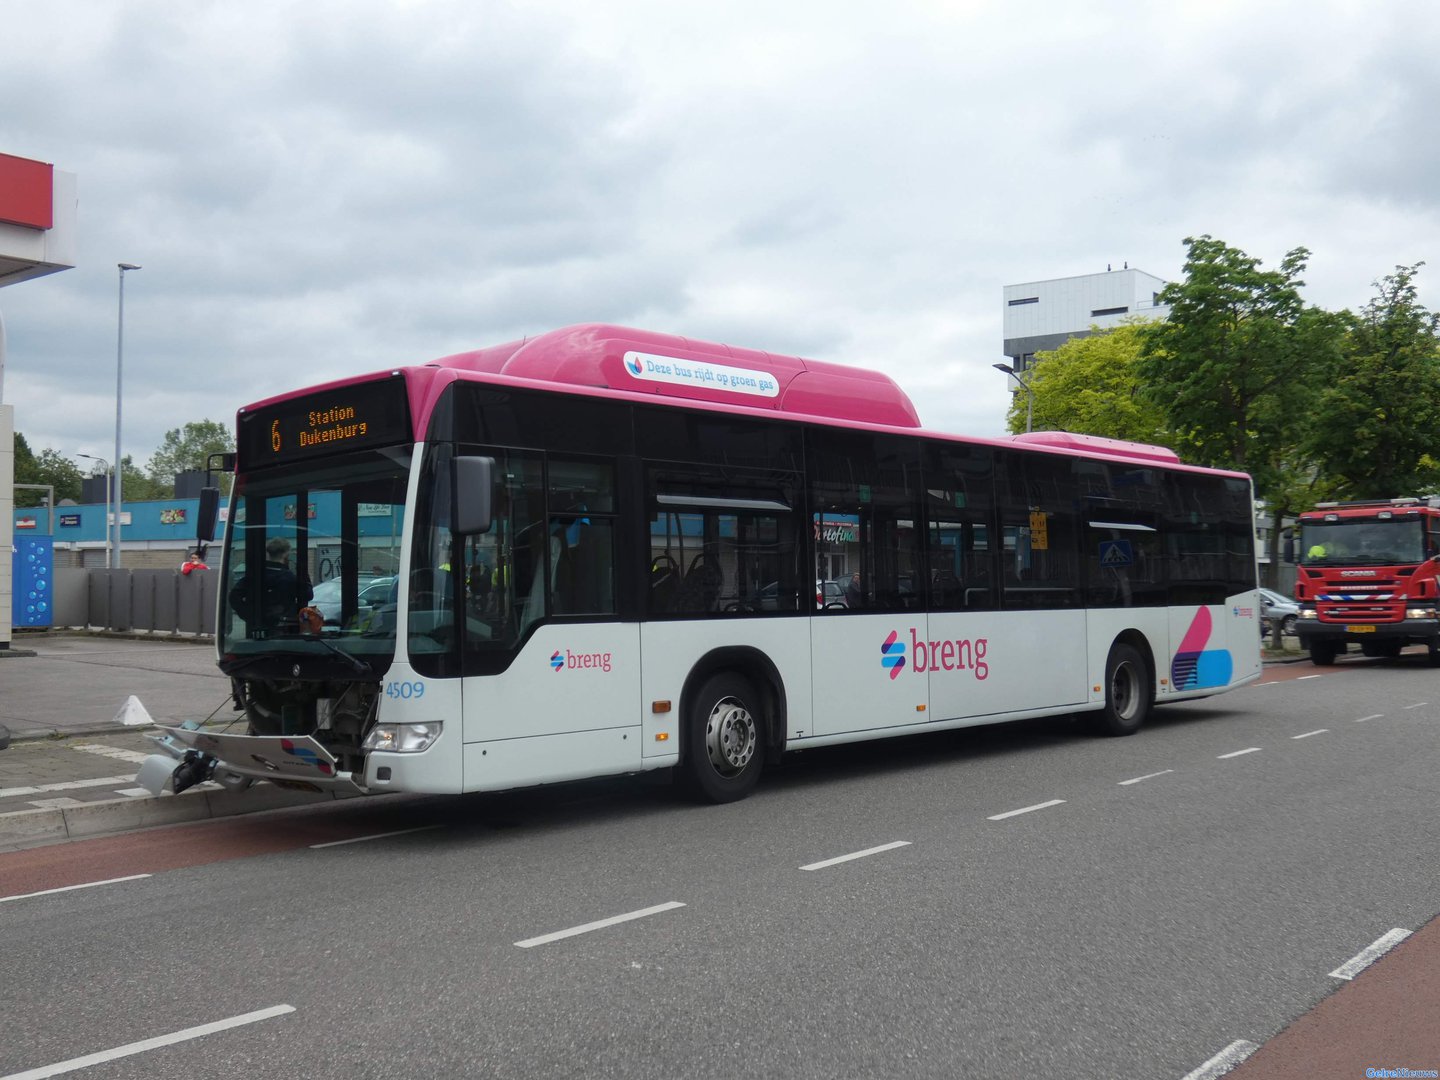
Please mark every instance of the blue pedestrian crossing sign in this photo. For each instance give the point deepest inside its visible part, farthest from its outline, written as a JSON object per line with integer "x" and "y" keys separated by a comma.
{"x": 1116, "y": 553}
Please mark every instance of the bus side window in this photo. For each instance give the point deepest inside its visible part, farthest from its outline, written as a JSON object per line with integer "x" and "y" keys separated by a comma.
{"x": 865, "y": 499}
{"x": 1040, "y": 533}
{"x": 960, "y": 566}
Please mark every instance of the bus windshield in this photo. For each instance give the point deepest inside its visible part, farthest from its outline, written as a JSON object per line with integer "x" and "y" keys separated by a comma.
{"x": 312, "y": 561}
{"x": 1362, "y": 542}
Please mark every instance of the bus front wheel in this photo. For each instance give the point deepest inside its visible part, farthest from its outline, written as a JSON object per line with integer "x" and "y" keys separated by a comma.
{"x": 724, "y": 744}
{"x": 1128, "y": 693}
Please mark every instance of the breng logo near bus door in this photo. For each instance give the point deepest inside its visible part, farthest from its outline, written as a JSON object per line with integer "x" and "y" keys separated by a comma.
{"x": 959, "y": 654}
{"x": 564, "y": 659}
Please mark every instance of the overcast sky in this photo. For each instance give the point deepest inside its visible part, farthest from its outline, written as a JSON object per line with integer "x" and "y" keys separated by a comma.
{"x": 321, "y": 189}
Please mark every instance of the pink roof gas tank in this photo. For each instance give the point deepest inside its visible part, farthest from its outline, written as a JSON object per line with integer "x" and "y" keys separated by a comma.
{"x": 646, "y": 363}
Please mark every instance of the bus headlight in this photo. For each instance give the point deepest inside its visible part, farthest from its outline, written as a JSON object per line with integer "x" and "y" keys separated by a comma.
{"x": 1420, "y": 613}
{"x": 402, "y": 738}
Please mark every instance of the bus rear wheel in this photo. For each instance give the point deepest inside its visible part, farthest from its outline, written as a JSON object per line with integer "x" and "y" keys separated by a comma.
{"x": 724, "y": 744}
{"x": 1128, "y": 693}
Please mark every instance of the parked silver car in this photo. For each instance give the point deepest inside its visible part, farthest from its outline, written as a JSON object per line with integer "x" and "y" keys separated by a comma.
{"x": 327, "y": 597}
{"x": 1275, "y": 606}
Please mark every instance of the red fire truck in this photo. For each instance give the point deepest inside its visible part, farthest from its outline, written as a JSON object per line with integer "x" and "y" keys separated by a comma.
{"x": 1367, "y": 576}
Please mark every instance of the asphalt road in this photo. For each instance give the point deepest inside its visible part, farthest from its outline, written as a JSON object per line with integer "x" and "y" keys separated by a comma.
{"x": 1160, "y": 898}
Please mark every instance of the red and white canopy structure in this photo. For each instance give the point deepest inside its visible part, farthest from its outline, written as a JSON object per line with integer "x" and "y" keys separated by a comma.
{"x": 37, "y": 237}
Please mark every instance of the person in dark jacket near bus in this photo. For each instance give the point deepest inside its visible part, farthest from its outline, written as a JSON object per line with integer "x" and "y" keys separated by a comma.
{"x": 282, "y": 592}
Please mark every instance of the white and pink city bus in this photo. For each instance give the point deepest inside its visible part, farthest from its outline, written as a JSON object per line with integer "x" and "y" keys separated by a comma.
{"x": 603, "y": 551}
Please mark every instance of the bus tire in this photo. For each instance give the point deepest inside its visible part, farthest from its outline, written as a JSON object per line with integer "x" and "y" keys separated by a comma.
{"x": 725, "y": 740}
{"x": 1323, "y": 653}
{"x": 1128, "y": 692}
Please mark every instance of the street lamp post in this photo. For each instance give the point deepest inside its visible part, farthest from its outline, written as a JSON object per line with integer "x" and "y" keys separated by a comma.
{"x": 109, "y": 486}
{"x": 1029, "y": 393}
{"x": 119, "y": 372}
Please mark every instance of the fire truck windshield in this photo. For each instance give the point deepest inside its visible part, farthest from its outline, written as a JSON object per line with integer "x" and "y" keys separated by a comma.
{"x": 1363, "y": 542}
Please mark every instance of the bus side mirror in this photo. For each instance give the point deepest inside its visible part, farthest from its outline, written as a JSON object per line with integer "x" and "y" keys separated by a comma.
{"x": 474, "y": 494}
{"x": 1288, "y": 553}
{"x": 210, "y": 502}
{"x": 209, "y": 510}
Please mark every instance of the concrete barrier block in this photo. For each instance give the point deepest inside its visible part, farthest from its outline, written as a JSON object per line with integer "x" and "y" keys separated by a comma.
{"x": 19, "y": 828}
{"x": 116, "y": 815}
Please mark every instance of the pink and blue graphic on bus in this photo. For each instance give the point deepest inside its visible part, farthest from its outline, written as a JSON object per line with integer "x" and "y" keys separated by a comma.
{"x": 892, "y": 653}
{"x": 556, "y": 660}
{"x": 1196, "y": 667}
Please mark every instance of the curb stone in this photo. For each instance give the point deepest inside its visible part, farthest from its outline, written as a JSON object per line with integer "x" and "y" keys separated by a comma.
{"x": 33, "y": 828}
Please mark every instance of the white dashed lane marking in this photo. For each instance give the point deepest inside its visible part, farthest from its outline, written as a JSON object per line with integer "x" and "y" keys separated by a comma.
{"x": 1024, "y": 810}
{"x": 855, "y": 855}
{"x": 600, "y": 924}
{"x": 1368, "y": 955}
{"x": 1147, "y": 776}
{"x": 75, "y": 1064}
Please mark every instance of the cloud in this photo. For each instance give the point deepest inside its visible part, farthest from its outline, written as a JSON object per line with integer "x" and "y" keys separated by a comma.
{"x": 340, "y": 187}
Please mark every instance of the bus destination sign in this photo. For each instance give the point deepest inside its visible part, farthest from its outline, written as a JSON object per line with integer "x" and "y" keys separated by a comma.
{"x": 350, "y": 418}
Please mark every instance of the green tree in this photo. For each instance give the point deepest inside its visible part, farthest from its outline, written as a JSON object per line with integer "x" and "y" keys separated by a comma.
{"x": 1378, "y": 421}
{"x": 137, "y": 486}
{"x": 1236, "y": 365}
{"x": 47, "y": 467}
{"x": 1091, "y": 385}
{"x": 189, "y": 448}
{"x": 1227, "y": 343}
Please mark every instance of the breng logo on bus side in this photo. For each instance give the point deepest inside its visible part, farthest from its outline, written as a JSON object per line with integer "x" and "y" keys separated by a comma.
{"x": 953, "y": 654}
{"x": 564, "y": 659}
{"x": 892, "y": 654}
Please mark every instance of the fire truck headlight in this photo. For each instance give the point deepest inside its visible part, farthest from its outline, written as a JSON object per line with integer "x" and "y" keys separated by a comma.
{"x": 1308, "y": 613}
{"x": 402, "y": 738}
{"x": 1420, "y": 613}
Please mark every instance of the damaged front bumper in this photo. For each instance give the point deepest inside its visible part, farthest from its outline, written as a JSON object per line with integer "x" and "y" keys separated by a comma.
{"x": 192, "y": 756}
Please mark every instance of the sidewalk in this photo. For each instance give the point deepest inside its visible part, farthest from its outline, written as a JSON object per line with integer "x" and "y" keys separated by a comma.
{"x": 70, "y": 768}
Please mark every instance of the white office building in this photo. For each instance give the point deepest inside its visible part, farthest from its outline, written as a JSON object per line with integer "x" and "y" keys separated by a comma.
{"x": 1041, "y": 315}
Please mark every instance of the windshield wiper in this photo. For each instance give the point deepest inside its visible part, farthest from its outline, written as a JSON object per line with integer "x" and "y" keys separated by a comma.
{"x": 360, "y": 667}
